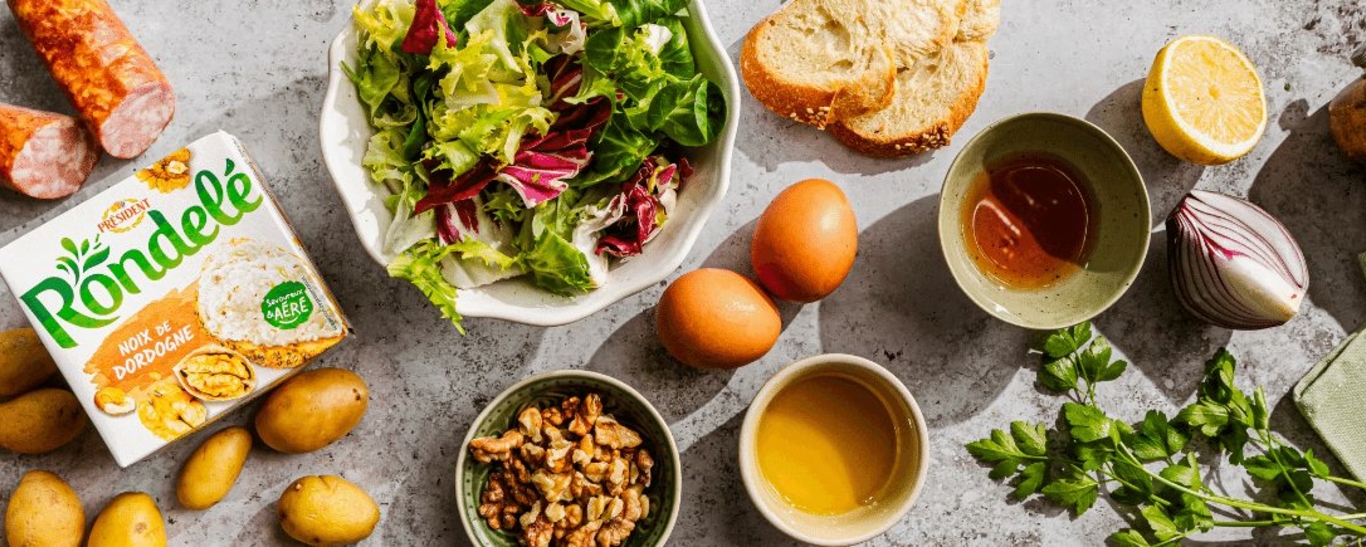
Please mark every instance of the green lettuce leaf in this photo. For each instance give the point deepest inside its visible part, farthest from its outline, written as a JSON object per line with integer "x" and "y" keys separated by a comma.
{"x": 384, "y": 25}
{"x": 504, "y": 27}
{"x": 689, "y": 111}
{"x": 631, "y": 58}
{"x": 375, "y": 75}
{"x": 676, "y": 56}
{"x": 595, "y": 11}
{"x": 633, "y": 13}
{"x": 421, "y": 265}
{"x": 385, "y": 160}
{"x": 617, "y": 150}
{"x": 479, "y": 102}
{"x": 459, "y": 12}
{"x": 549, "y": 253}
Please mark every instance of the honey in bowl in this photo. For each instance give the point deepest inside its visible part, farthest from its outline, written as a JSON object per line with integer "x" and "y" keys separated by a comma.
{"x": 1030, "y": 221}
{"x": 828, "y": 445}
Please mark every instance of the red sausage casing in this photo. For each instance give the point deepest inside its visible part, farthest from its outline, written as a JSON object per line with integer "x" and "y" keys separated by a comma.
{"x": 122, "y": 96}
{"x": 42, "y": 154}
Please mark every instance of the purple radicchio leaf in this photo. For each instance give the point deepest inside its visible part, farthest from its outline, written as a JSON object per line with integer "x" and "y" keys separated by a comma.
{"x": 428, "y": 24}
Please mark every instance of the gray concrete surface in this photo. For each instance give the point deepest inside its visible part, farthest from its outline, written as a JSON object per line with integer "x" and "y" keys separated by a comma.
{"x": 256, "y": 68}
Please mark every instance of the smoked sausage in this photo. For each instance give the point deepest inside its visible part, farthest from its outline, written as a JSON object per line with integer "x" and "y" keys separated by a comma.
{"x": 43, "y": 154}
{"x": 120, "y": 93}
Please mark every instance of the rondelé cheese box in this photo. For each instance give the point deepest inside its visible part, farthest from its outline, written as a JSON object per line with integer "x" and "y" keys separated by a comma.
{"x": 173, "y": 297}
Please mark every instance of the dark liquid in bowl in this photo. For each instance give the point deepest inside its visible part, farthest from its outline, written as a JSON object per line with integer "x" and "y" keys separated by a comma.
{"x": 1029, "y": 221}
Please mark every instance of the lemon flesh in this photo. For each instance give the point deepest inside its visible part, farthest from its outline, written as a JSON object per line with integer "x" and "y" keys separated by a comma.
{"x": 1203, "y": 101}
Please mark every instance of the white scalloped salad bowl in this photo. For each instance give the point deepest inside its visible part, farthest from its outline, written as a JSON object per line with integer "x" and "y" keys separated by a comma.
{"x": 344, "y": 133}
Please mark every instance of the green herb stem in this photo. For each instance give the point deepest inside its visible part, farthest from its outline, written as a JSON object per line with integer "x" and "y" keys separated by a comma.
{"x": 1348, "y": 482}
{"x": 1244, "y": 523}
{"x": 1244, "y": 504}
{"x": 1271, "y": 445}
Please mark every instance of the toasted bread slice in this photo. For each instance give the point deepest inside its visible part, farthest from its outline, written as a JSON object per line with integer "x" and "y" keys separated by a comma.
{"x": 935, "y": 95}
{"x": 980, "y": 21}
{"x": 821, "y": 61}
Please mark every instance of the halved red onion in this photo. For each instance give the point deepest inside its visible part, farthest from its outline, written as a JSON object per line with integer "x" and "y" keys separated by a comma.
{"x": 1233, "y": 264}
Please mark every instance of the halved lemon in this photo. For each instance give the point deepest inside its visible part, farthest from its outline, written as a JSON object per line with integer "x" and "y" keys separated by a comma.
{"x": 1203, "y": 101}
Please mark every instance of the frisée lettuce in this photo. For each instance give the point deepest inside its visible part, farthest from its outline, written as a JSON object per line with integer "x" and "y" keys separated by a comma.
{"x": 527, "y": 138}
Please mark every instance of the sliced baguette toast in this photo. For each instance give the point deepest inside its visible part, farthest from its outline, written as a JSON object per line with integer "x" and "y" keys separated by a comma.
{"x": 935, "y": 95}
{"x": 980, "y": 21}
{"x": 822, "y": 61}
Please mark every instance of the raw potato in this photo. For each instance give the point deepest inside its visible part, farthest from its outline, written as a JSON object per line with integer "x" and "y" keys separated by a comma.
{"x": 213, "y": 468}
{"x": 130, "y": 520}
{"x": 44, "y": 512}
{"x": 312, "y": 409}
{"x": 24, "y": 362}
{"x": 327, "y": 510}
{"x": 40, "y": 421}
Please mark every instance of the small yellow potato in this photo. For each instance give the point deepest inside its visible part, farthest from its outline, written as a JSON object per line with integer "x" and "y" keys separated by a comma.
{"x": 40, "y": 421}
{"x": 44, "y": 512}
{"x": 130, "y": 520}
{"x": 213, "y": 468}
{"x": 327, "y": 510}
{"x": 24, "y": 362}
{"x": 311, "y": 410}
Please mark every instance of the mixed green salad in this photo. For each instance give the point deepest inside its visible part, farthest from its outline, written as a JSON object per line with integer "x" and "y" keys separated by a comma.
{"x": 527, "y": 138}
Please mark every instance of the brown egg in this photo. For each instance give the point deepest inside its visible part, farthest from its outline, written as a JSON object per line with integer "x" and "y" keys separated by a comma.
{"x": 713, "y": 318}
{"x": 805, "y": 242}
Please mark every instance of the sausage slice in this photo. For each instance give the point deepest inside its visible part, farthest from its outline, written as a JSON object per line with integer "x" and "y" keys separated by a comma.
{"x": 123, "y": 97}
{"x": 43, "y": 154}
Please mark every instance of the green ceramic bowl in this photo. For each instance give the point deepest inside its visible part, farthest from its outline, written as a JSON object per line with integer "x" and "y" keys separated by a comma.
{"x": 622, "y": 402}
{"x": 1123, "y": 232}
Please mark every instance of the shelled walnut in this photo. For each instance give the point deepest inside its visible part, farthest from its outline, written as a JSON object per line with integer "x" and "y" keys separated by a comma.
{"x": 566, "y": 475}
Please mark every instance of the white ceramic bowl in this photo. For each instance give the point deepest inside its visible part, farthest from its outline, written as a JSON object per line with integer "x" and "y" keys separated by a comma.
{"x": 344, "y": 132}
{"x": 903, "y": 487}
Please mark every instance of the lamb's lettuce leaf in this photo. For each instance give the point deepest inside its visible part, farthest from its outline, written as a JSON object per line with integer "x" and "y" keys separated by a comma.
{"x": 633, "y": 13}
{"x": 689, "y": 111}
{"x": 676, "y": 55}
{"x": 617, "y": 150}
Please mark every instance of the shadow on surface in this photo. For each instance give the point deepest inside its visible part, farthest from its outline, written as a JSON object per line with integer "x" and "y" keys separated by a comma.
{"x": 770, "y": 140}
{"x": 1311, "y": 186}
{"x": 716, "y": 510}
{"x": 733, "y": 254}
{"x": 634, "y": 355}
{"x": 1168, "y": 179}
{"x": 1157, "y": 335}
{"x": 901, "y": 307}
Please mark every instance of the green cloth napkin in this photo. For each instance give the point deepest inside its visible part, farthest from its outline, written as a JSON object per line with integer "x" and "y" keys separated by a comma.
{"x": 1331, "y": 398}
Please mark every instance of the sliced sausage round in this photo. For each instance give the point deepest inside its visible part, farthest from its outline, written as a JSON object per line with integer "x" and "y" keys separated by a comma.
{"x": 123, "y": 97}
{"x": 43, "y": 154}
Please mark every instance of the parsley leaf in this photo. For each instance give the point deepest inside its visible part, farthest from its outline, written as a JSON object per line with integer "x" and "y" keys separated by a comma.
{"x": 1076, "y": 490}
{"x": 1087, "y": 422}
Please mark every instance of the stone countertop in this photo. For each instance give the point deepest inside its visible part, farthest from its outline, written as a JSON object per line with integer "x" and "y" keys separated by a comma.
{"x": 256, "y": 68}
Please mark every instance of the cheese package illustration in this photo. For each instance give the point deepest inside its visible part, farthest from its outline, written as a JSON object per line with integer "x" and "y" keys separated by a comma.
{"x": 173, "y": 297}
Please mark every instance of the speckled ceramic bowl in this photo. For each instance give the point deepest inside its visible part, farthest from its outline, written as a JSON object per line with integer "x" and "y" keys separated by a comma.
{"x": 344, "y": 133}
{"x": 621, "y": 401}
{"x": 1121, "y": 197}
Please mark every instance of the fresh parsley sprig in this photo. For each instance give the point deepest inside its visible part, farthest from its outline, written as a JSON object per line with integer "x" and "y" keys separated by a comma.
{"x": 1152, "y": 466}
